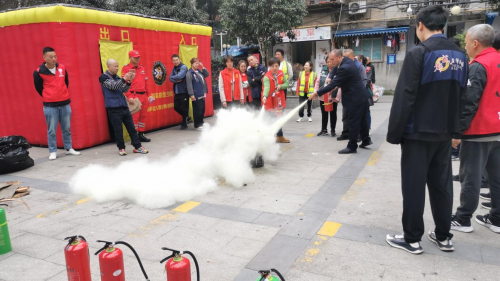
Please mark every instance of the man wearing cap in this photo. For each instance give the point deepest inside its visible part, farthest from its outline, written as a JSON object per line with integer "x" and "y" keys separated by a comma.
{"x": 138, "y": 89}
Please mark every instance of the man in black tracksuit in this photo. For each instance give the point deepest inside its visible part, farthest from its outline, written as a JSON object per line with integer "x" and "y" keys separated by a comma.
{"x": 425, "y": 114}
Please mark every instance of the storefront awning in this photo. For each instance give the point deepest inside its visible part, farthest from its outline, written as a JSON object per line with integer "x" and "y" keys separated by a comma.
{"x": 370, "y": 31}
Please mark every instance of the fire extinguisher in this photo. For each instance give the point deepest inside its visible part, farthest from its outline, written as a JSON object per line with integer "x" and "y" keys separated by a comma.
{"x": 179, "y": 268}
{"x": 267, "y": 275}
{"x": 328, "y": 102}
{"x": 77, "y": 259}
{"x": 111, "y": 261}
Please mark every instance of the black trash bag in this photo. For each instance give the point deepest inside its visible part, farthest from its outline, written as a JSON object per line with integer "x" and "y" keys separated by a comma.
{"x": 257, "y": 162}
{"x": 14, "y": 155}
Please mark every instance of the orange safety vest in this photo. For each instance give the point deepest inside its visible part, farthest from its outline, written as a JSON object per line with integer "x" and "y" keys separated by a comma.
{"x": 228, "y": 78}
{"x": 276, "y": 102}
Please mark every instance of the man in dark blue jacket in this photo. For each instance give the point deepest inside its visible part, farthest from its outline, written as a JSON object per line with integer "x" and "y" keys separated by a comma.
{"x": 255, "y": 74}
{"x": 354, "y": 98}
{"x": 113, "y": 89}
{"x": 425, "y": 114}
{"x": 181, "y": 97}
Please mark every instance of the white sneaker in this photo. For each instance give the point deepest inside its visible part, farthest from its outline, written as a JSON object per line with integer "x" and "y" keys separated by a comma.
{"x": 53, "y": 156}
{"x": 299, "y": 120}
{"x": 310, "y": 119}
{"x": 72, "y": 152}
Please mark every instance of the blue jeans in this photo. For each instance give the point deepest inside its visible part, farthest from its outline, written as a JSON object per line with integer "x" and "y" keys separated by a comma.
{"x": 53, "y": 116}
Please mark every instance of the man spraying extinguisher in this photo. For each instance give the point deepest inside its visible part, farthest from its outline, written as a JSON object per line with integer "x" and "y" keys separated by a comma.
{"x": 139, "y": 89}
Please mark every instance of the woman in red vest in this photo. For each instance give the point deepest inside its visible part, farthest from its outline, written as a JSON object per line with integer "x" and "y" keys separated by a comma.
{"x": 244, "y": 85}
{"x": 274, "y": 85}
{"x": 229, "y": 84}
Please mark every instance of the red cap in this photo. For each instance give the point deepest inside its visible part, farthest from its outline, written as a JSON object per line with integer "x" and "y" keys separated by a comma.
{"x": 133, "y": 54}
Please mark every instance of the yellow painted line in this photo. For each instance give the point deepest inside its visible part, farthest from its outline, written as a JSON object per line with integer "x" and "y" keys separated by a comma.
{"x": 329, "y": 228}
{"x": 374, "y": 159}
{"x": 310, "y": 135}
{"x": 84, "y": 200}
{"x": 285, "y": 148}
{"x": 186, "y": 207}
{"x": 63, "y": 208}
{"x": 313, "y": 251}
{"x": 360, "y": 181}
{"x": 159, "y": 221}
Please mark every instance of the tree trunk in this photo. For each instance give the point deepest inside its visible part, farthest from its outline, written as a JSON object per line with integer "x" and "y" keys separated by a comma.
{"x": 263, "y": 51}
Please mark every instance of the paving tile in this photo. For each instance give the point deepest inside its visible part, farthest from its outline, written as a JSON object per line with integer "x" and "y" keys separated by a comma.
{"x": 322, "y": 202}
{"x": 247, "y": 274}
{"x": 304, "y": 225}
{"x": 490, "y": 255}
{"x": 45, "y": 226}
{"x": 26, "y": 268}
{"x": 244, "y": 230}
{"x": 244, "y": 248}
{"x": 231, "y": 213}
{"x": 294, "y": 274}
{"x": 36, "y": 246}
{"x": 279, "y": 253}
{"x": 271, "y": 219}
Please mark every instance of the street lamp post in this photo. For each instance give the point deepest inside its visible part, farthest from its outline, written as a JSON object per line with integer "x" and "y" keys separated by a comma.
{"x": 226, "y": 48}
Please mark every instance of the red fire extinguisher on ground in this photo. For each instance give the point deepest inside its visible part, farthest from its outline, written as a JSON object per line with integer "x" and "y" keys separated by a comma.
{"x": 111, "y": 261}
{"x": 179, "y": 268}
{"x": 267, "y": 275}
{"x": 77, "y": 259}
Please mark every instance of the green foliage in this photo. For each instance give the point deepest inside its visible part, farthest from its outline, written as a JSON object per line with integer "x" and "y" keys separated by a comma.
{"x": 181, "y": 10}
{"x": 261, "y": 21}
{"x": 461, "y": 38}
{"x": 217, "y": 67}
{"x": 495, "y": 4}
{"x": 13, "y": 4}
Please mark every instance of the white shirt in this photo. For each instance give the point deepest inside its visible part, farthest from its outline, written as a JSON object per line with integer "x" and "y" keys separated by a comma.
{"x": 53, "y": 70}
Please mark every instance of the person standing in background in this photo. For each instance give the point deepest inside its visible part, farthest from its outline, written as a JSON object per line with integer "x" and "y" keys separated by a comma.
{"x": 139, "y": 90}
{"x": 307, "y": 80}
{"x": 369, "y": 64}
{"x": 321, "y": 82}
{"x": 197, "y": 90}
{"x": 51, "y": 82}
{"x": 285, "y": 66}
{"x": 181, "y": 98}
{"x": 230, "y": 91}
{"x": 255, "y": 74}
{"x": 244, "y": 85}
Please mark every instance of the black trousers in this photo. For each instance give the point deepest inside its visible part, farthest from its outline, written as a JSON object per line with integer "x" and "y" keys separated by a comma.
{"x": 198, "y": 112}
{"x": 475, "y": 159}
{"x": 309, "y": 106}
{"x": 345, "y": 123}
{"x": 256, "y": 104}
{"x": 324, "y": 117}
{"x": 116, "y": 117}
{"x": 426, "y": 162}
{"x": 181, "y": 106}
{"x": 358, "y": 125}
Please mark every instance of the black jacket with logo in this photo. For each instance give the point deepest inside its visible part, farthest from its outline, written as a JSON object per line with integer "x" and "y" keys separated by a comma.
{"x": 430, "y": 92}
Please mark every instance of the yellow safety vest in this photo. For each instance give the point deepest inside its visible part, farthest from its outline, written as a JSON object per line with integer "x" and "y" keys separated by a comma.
{"x": 312, "y": 78}
{"x": 285, "y": 69}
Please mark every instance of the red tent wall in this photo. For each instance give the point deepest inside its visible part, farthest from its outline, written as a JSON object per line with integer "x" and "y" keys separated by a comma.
{"x": 77, "y": 47}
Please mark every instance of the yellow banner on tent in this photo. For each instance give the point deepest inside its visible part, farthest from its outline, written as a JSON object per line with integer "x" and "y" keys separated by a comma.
{"x": 119, "y": 52}
{"x": 186, "y": 53}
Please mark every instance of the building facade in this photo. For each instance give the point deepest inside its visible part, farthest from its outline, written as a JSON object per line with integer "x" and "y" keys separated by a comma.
{"x": 381, "y": 30}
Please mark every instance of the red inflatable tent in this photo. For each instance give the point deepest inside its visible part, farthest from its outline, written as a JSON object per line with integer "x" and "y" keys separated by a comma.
{"x": 82, "y": 39}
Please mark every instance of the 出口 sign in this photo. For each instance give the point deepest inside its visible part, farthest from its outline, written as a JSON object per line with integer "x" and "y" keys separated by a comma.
{"x": 309, "y": 34}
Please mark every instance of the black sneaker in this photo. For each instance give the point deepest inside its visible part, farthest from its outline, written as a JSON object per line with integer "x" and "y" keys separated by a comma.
{"x": 365, "y": 144}
{"x": 485, "y": 221}
{"x": 347, "y": 151}
{"x": 143, "y": 138}
{"x": 322, "y": 133}
{"x": 461, "y": 226}
{"x": 486, "y": 205}
{"x": 456, "y": 178}
{"x": 485, "y": 196}
{"x": 343, "y": 137}
{"x": 445, "y": 246}
{"x": 184, "y": 127}
{"x": 333, "y": 134}
{"x": 398, "y": 241}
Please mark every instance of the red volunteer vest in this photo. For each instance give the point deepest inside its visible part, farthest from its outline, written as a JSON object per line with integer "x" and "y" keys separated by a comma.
{"x": 139, "y": 84}
{"x": 487, "y": 118}
{"x": 246, "y": 92}
{"x": 54, "y": 86}
{"x": 227, "y": 78}
{"x": 272, "y": 103}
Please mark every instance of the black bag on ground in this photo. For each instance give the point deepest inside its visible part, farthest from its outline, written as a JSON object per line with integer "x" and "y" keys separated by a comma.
{"x": 14, "y": 155}
{"x": 257, "y": 162}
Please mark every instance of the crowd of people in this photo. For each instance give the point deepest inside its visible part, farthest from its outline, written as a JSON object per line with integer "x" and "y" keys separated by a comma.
{"x": 443, "y": 99}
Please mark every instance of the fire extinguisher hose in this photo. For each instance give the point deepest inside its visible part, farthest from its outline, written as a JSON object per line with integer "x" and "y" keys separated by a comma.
{"x": 195, "y": 263}
{"x": 266, "y": 273}
{"x": 110, "y": 244}
{"x": 278, "y": 273}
